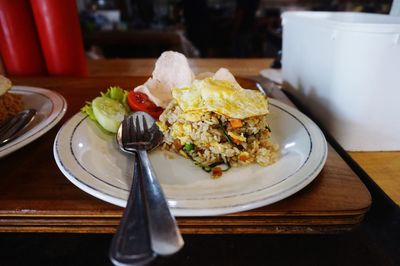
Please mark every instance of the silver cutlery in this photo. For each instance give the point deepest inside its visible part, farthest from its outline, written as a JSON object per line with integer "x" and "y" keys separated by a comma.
{"x": 12, "y": 128}
{"x": 147, "y": 227}
{"x": 131, "y": 243}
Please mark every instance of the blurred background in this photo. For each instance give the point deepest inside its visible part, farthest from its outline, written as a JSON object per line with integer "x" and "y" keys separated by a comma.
{"x": 196, "y": 28}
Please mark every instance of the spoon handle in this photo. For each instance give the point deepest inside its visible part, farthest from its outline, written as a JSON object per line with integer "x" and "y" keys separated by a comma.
{"x": 131, "y": 244}
{"x": 164, "y": 233}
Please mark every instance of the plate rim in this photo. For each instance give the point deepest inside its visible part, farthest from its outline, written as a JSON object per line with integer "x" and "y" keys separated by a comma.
{"x": 184, "y": 211}
{"x": 44, "y": 126}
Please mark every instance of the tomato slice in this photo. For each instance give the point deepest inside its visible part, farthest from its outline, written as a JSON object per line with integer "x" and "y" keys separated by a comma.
{"x": 138, "y": 101}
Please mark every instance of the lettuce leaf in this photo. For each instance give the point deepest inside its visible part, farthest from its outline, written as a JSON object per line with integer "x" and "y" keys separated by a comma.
{"x": 118, "y": 94}
{"x": 87, "y": 109}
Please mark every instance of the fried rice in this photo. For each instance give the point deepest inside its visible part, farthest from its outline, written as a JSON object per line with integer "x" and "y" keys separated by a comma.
{"x": 10, "y": 105}
{"x": 212, "y": 141}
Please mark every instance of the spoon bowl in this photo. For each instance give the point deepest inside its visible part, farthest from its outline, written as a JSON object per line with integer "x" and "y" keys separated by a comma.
{"x": 12, "y": 128}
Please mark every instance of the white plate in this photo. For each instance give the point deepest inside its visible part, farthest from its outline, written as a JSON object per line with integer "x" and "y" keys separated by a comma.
{"x": 50, "y": 107}
{"x": 90, "y": 159}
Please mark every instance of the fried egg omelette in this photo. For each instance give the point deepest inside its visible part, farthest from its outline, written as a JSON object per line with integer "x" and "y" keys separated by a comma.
{"x": 220, "y": 96}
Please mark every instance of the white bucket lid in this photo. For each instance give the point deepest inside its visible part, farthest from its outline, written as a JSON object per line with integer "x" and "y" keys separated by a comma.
{"x": 395, "y": 10}
{"x": 348, "y": 21}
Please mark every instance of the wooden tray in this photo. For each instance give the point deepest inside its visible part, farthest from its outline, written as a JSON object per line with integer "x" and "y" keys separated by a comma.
{"x": 36, "y": 197}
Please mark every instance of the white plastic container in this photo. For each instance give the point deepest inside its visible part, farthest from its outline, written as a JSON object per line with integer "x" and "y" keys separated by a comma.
{"x": 345, "y": 67}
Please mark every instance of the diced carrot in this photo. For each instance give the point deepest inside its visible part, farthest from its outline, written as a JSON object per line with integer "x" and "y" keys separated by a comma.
{"x": 236, "y": 141}
{"x": 216, "y": 171}
{"x": 177, "y": 144}
{"x": 236, "y": 123}
{"x": 244, "y": 156}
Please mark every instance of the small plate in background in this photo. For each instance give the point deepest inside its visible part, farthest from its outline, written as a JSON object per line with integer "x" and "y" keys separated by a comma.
{"x": 50, "y": 107}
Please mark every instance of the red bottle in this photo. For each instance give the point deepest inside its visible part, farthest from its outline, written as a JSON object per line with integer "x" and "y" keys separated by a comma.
{"x": 60, "y": 35}
{"x": 19, "y": 44}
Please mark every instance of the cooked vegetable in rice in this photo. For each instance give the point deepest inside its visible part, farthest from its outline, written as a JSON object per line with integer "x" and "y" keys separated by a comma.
{"x": 218, "y": 125}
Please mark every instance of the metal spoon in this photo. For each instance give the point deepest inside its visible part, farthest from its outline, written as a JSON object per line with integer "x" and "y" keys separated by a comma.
{"x": 13, "y": 127}
{"x": 131, "y": 243}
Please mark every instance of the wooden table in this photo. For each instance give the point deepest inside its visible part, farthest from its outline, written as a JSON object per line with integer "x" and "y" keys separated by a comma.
{"x": 36, "y": 197}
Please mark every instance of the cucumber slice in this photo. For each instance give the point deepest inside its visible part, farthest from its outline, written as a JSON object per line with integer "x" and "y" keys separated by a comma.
{"x": 108, "y": 112}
